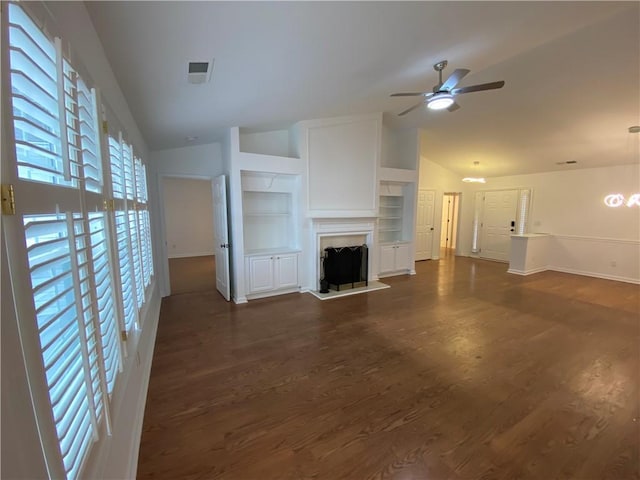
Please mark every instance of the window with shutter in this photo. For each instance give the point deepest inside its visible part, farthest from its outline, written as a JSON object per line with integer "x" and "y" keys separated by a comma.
{"x": 56, "y": 262}
{"x": 87, "y": 268}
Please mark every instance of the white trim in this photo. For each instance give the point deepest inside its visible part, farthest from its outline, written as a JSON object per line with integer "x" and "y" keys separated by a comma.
{"x": 604, "y": 276}
{"x": 372, "y": 287}
{"x": 527, "y": 272}
{"x": 272, "y": 293}
{"x": 337, "y": 227}
{"x": 597, "y": 239}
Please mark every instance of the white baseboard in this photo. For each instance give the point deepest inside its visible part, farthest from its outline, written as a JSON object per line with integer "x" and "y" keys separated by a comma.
{"x": 274, "y": 293}
{"x": 604, "y": 276}
{"x": 187, "y": 255}
{"x": 527, "y": 272}
{"x": 239, "y": 300}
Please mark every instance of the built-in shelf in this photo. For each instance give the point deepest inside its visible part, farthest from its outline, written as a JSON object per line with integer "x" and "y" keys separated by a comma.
{"x": 268, "y": 213}
{"x": 391, "y": 218}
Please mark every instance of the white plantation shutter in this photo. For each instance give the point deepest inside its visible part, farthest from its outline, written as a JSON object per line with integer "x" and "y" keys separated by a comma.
{"x": 87, "y": 267}
{"x": 145, "y": 245}
{"x": 130, "y": 183}
{"x": 117, "y": 173}
{"x": 126, "y": 268}
{"x": 59, "y": 303}
{"x": 123, "y": 239}
{"x": 111, "y": 347}
{"x": 36, "y": 112}
{"x": 89, "y": 137}
{"x": 136, "y": 257}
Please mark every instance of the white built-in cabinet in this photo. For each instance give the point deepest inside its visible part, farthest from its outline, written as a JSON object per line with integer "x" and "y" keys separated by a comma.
{"x": 270, "y": 229}
{"x": 271, "y": 273}
{"x": 394, "y": 258}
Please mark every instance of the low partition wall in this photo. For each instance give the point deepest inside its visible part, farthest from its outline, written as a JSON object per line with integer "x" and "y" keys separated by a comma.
{"x": 596, "y": 257}
{"x": 607, "y": 258}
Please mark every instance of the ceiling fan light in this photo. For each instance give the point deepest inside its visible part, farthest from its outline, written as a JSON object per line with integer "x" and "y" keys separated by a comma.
{"x": 474, "y": 180}
{"x": 440, "y": 101}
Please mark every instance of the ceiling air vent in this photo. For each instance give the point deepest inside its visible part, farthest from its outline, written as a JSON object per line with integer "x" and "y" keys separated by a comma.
{"x": 200, "y": 72}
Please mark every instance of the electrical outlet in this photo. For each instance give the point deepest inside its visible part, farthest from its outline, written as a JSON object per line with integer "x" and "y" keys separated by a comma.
{"x": 613, "y": 263}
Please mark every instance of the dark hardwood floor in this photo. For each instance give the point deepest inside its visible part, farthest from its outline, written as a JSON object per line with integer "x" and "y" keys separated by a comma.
{"x": 461, "y": 371}
{"x": 192, "y": 274}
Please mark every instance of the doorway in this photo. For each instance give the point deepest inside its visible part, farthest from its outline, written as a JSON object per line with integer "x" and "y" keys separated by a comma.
{"x": 424, "y": 224}
{"x": 449, "y": 227}
{"x": 499, "y": 211}
{"x": 189, "y": 234}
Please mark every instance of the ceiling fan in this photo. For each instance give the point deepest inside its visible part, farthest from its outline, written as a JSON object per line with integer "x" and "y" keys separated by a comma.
{"x": 443, "y": 95}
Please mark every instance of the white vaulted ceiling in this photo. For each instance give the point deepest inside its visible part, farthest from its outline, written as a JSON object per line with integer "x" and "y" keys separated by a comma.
{"x": 572, "y": 72}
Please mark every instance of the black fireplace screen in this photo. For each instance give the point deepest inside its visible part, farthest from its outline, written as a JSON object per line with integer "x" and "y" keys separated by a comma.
{"x": 346, "y": 266}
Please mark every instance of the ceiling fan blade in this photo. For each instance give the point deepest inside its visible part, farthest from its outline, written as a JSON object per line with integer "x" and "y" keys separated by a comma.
{"x": 410, "y": 109}
{"x": 457, "y": 75}
{"x": 410, "y": 94}
{"x": 453, "y": 107}
{"x": 478, "y": 88}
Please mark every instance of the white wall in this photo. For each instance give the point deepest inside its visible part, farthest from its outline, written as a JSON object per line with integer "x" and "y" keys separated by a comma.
{"x": 195, "y": 160}
{"x": 112, "y": 456}
{"x": 266, "y": 143}
{"x": 571, "y": 202}
{"x": 588, "y": 237}
{"x": 188, "y": 214}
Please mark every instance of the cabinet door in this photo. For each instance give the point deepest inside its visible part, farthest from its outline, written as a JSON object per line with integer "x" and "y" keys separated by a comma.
{"x": 387, "y": 258}
{"x": 286, "y": 271}
{"x": 261, "y": 278}
{"x": 402, "y": 257}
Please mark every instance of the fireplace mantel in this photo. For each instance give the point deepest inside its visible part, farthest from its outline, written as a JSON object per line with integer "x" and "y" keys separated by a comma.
{"x": 323, "y": 227}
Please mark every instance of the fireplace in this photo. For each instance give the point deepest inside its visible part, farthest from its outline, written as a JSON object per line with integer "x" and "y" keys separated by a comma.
{"x": 345, "y": 267}
{"x": 339, "y": 233}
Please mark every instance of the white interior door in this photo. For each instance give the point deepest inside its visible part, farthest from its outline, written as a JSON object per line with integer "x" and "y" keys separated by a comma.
{"x": 221, "y": 236}
{"x": 424, "y": 224}
{"x": 498, "y": 224}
